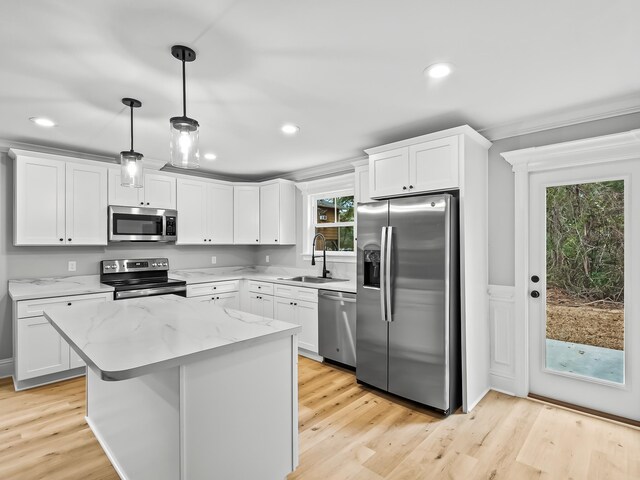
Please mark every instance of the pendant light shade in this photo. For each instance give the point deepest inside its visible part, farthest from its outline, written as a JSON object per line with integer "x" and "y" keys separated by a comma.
{"x": 131, "y": 161}
{"x": 184, "y": 133}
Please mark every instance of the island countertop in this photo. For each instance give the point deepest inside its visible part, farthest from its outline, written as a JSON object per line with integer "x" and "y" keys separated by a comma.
{"x": 129, "y": 338}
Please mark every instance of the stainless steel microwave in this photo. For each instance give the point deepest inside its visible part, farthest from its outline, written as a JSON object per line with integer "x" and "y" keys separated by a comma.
{"x": 135, "y": 224}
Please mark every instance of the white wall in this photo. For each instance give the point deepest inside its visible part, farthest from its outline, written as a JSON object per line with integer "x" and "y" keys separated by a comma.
{"x": 31, "y": 262}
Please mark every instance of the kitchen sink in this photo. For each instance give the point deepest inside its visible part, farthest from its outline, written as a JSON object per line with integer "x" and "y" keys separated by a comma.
{"x": 309, "y": 279}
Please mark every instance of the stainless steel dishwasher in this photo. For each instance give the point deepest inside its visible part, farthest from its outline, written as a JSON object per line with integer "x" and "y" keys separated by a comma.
{"x": 337, "y": 326}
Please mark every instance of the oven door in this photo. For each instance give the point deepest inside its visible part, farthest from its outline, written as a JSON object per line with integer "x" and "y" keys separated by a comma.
{"x": 133, "y": 224}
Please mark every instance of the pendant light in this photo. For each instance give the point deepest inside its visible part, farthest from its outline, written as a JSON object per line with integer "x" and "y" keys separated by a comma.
{"x": 185, "y": 149}
{"x": 131, "y": 161}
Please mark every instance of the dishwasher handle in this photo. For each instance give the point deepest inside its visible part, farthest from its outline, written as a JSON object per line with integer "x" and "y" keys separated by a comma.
{"x": 338, "y": 296}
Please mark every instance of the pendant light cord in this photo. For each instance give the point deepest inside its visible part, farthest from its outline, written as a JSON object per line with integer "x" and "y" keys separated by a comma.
{"x": 184, "y": 88}
{"x": 131, "y": 108}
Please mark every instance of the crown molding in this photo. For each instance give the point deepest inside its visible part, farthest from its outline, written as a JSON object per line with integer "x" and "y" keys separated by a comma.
{"x": 624, "y": 105}
{"x": 607, "y": 148}
{"x": 321, "y": 171}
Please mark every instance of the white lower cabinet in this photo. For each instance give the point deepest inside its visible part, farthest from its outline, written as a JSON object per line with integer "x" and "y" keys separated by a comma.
{"x": 225, "y": 294}
{"x": 260, "y": 304}
{"x": 299, "y": 305}
{"x": 39, "y": 348}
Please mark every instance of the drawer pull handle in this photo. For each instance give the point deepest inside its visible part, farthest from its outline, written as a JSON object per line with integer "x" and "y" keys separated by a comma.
{"x": 69, "y": 304}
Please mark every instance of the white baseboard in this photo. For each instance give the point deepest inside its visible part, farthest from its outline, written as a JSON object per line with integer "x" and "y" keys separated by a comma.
{"x": 472, "y": 405}
{"x": 6, "y": 367}
{"x": 503, "y": 384}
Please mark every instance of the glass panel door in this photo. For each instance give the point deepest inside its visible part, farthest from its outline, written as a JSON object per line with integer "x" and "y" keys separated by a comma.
{"x": 584, "y": 332}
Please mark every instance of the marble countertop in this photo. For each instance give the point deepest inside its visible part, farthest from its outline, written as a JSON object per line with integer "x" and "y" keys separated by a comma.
{"x": 130, "y": 338}
{"x": 272, "y": 274}
{"x": 56, "y": 287}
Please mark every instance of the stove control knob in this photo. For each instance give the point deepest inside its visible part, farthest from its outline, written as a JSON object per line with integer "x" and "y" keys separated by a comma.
{"x": 165, "y": 264}
{"x": 154, "y": 265}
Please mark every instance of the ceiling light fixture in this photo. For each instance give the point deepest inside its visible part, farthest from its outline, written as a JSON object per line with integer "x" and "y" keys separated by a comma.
{"x": 43, "y": 122}
{"x": 131, "y": 161}
{"x": 438, "y": 70}
{"x": 290, "y": 129}
{"x": 184, "y": 144}
{"x": 210, "y": 156}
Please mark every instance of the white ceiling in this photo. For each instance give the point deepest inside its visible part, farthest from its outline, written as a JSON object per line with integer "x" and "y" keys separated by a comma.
{"x": 348, "y": 72}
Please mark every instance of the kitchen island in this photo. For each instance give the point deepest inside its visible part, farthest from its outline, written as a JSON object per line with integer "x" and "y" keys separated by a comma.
{"x": 178, "y": 389}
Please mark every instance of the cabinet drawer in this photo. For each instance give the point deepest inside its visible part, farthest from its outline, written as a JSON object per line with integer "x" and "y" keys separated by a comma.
{"x": 261, "y": 287}
{"x": 213, "y": 287}
{"x": 34, "y": 308}
{"x": 296, "y": 293}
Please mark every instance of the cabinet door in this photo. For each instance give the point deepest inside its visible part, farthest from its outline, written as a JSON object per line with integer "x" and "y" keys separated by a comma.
{"x": 307, "y": 316}
{"x": 159, "y": 191}
{"x": 267, "y": 306}
{"x": 41, "y": 349}
{"x": 255, "y": 304}
{"x": 246, "y": 215}
{"x": 228, "y": 300}
{"x": 389, "y": 173}
{"x": 40, "y": 202}
{"x": 220, "y": 213}
{"x": 284, "y": 310}
{"x": 434, "y": 165}
{"x": 75, "y": 360}
{"x": 192, "y": 218}
{"x": 86, "y": 204}
{"x": 125, "y": 196}
{"x": 362, "y": 185}
{"x": 269, "y": 214}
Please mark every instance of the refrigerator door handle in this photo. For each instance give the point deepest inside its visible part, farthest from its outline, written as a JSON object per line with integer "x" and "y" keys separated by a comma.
{"x": 383, "y": 270}
{"x": 387, "y": 274}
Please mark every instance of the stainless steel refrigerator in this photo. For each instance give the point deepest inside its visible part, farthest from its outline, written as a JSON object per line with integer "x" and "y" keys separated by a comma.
{"x": 408, "y": 320}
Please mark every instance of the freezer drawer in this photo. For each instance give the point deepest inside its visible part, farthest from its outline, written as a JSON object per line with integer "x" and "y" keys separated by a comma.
{"x": 337, "y": 326}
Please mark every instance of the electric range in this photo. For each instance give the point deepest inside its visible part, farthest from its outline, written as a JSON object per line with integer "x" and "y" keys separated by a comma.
{"x": 140, "y": 278}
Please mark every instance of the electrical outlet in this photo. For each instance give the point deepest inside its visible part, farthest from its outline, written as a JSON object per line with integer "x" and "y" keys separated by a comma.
{"x": 72, "y": 265}
{"x": 213, "y": 260}
{"x": 267, "y": 259}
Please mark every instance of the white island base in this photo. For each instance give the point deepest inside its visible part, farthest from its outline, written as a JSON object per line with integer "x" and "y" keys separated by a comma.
{"x": 227, "y": 416}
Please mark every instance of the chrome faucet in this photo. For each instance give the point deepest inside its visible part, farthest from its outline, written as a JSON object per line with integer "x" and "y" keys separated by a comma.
{"x": 324, "y": 254}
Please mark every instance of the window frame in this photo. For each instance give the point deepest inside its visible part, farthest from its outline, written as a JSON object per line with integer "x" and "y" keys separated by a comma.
{"x": 313, "y": 200}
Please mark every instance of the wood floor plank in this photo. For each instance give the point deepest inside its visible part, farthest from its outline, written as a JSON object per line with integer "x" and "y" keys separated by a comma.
{"x": 349, "y": 432}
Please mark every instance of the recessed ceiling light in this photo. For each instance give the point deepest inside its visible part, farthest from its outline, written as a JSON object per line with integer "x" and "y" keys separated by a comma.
{"x": 43, "y": 122}
{"x": 210, "y": 156}
{"x": 438, "y": 70}
{"x": 290, "y": 129}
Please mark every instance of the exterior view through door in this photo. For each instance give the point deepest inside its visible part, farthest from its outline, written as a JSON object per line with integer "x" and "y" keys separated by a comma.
{"x": 583, "y": 229}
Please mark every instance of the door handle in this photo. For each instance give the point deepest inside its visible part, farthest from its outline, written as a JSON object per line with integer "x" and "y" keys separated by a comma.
{"x": 387, "y": 273}
{"x": 383, "y": 268}
{"x": 535, "y": 293}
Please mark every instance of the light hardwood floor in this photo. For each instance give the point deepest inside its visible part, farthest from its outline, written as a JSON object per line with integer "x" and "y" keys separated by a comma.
{"x": 349, "y": 432}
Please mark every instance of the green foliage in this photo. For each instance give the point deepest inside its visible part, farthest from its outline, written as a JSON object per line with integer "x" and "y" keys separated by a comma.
{"x": 585, "y": 239}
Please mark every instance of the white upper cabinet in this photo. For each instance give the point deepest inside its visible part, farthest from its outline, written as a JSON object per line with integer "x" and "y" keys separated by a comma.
{"x": 413, "y": 166}
{"x": 277, "y": 213}
{"x": 39, "y": 202}
{"x": 192, "y": 212}
{"x": 59, "y": 200}
{"x": 246, "y": 214}
{"x": 389, "y": 173}
{"x": 86, "y": 209}
{"x": 124, "y": 196}
{"x": 362, "y": 184}
{"x": 205, "y": 212}
{"x": 434, "y": 165}
{"x": 158, "y": 191}
{"x": 219, "y": 213}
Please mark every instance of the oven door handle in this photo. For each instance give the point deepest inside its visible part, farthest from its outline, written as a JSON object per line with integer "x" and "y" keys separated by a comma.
{"x": 146, "y": 292}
